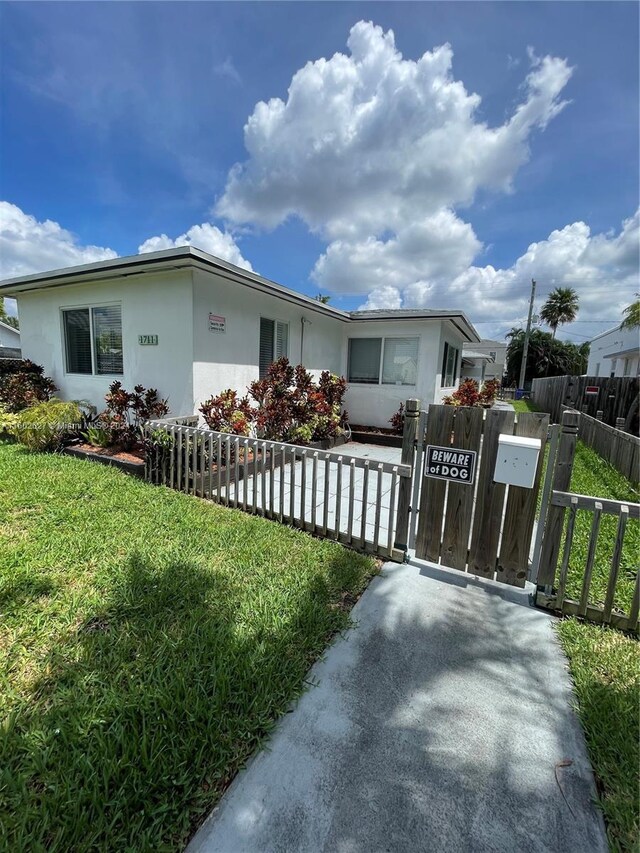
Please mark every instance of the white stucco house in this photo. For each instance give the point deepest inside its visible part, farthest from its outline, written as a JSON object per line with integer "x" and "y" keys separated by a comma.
{"x": 192, "y": 325}
{"x": 615, "y": 353}
{"x": 484, "y": 360}
{"x": 9, "y": 341}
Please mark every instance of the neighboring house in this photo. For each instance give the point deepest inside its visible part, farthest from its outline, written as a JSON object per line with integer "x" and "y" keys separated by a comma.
{"x": 484, "y": 360}
{"x": 615, "y": 353}
{"x": 9, "y": 341}
{"x": 191, "y": 325}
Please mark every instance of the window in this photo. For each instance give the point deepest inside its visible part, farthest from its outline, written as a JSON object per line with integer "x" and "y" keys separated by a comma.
{"x": 274, "y": 343}
{"x": 387, "y": 361}
{"x": 492, "y": 353}
{"x": 627, "y": 367}
{"x": 597, "y": 370}
{"x": 614, "y": 364}
{"x": 364, "y": 360}
{"x": 93, "y": 340}
{"x": 449, "y": 366}
{"x": 400, "y": 361}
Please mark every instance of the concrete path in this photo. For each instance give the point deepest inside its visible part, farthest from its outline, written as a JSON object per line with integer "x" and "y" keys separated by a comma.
{"x": 439, "y": 723}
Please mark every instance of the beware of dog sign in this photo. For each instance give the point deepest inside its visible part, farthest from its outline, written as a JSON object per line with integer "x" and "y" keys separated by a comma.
{"x": 450, "y": 463}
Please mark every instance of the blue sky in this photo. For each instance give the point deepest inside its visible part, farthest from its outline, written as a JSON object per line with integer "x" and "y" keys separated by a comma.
{"x": 121, "y": 122}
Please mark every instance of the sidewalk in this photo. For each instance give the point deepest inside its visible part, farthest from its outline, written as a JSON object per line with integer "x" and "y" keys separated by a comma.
{"x": 440, "y": 723}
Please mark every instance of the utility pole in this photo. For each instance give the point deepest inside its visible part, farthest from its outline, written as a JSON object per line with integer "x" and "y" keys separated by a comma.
{"x": 525, "y": 348}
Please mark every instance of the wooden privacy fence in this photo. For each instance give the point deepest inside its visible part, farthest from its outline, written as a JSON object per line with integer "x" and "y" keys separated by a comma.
{"x": 618, "y": 448}
{"x": 484, "y": 528}
{"x": 615, "y": 397}
{"x": 605, "y": 582}
{"x": 333, "y": 495}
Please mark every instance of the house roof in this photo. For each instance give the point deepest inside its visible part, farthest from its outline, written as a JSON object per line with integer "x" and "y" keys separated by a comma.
{"x": 458, "y": 318}
{"x": 10, "y": 328}
{"x": 623, "y": 352}
{"x": 483, "y": 356}
{"x": 185, "y": 257}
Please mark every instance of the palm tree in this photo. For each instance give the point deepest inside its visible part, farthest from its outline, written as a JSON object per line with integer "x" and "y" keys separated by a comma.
{"x": 632, "y": 320}
{"x": 561, "y": 307}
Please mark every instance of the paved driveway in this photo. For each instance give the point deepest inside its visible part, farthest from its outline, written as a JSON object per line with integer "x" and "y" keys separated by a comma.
{"x": 441, "y": 722}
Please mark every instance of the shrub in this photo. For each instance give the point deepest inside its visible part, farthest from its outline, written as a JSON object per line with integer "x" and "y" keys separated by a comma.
{"x": 46, "y": 425}
{"x": 468, "y": 393}
{"x": 23, "y": 383}
{"x": 289, "y": 406}
{"x": 127, "y": 411}
{"x": 227, "y": 413}
{"x": 489, "y": 391}
{"x": 294, "y": 408}
{"x": 397, "y": 420}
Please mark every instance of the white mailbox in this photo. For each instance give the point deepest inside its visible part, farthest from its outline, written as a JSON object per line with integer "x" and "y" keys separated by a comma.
{"x": 517, "y": 460}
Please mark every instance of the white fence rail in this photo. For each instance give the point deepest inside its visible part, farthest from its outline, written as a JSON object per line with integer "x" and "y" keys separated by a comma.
{"x": 328, "y": 493}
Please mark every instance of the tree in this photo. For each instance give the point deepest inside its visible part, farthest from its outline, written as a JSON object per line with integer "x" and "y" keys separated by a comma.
{"x": 546, "y": 356}
{"x": 632, "y": 320}
{"x": 561, "y": 307}
{"x": 323, "y": 297}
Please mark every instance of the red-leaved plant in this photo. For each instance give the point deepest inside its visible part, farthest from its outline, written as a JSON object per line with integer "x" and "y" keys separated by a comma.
{"x": 289, "y": 406}
{"x": 397, "y": 420}
{"x": 468, "y": 393}
{"x": 127, "y": 411}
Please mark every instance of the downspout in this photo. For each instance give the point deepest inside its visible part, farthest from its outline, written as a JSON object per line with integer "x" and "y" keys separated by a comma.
{"x": 303, "y": 322}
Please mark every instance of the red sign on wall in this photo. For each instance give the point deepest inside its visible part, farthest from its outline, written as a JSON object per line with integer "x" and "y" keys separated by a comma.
{"x": 591, "y": 389}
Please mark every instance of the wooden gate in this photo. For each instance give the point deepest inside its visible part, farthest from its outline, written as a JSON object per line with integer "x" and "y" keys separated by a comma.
{"x": 484, "y": 528}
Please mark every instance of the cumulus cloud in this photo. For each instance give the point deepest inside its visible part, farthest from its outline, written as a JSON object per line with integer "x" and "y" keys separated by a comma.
{"x": 603, "y": 268}
{"x": 369, "y": 141}
{"x": 207, "y": 237}
{"x": 29, "y": 246}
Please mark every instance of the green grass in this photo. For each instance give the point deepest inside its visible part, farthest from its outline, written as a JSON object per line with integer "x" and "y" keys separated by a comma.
{"x": 605, "y": 664}
{"x": 593, "y": 476}
{"x": 148, "y": 642}
{"x": 524, "y": 406}
{"x": 606, "y": 673}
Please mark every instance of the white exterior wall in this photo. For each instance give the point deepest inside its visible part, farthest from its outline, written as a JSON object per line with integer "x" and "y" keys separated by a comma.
{"x": 9, "y": 337}
{"x": 475, "y": 372}
{"x": 229, "y": 359}
{"x": 615, "y": 340}
{"x": 373, "y": 405}
{"x": 493, "y": 370}
{"x": 154, "y": 304}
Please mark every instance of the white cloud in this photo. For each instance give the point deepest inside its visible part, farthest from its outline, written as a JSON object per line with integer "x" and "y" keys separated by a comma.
{"x": 372, "y": 142}
{"x": 437, "y": 247}
{"x": 29, "y": 246}
{"x": 207, "y": 237}
{"x": 603, "y": 268}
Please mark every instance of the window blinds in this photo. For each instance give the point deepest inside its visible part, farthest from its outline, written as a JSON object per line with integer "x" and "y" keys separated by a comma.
{"x": 77, "y": 337}
{"x": 400, "y": 361}
{"x": 107, "y": 336}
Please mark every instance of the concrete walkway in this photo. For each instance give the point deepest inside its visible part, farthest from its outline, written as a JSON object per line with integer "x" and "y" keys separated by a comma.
{"x": 439, "y": 723}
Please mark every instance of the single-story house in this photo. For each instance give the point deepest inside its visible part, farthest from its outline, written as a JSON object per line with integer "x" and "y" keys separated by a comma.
{"x": 192, "y": 325}
{"x": 484, "y": 360}
{"x": 615, "y": 353}
{"x": 9, "y": 341}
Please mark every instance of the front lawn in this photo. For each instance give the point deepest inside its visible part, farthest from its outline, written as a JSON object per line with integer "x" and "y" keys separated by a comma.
{"x": 605, "y": 664}
{"x": 148, "y": 641}
{"x": 605, "y": 668}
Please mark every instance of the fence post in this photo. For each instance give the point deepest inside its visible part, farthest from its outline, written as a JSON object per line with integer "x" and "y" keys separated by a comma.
{"x": 555, "y": 517}
{"x": 409, "y": 432}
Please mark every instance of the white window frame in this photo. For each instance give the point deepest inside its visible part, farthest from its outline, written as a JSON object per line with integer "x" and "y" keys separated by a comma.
{"x": 457, "y": 367}
{"x": 276, "y": 323}
{"x": 89, "y": 307}
{"x": 382, "y": 339}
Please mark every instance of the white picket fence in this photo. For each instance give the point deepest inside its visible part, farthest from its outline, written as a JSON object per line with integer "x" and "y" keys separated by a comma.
{"x": 327, "y": 493}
